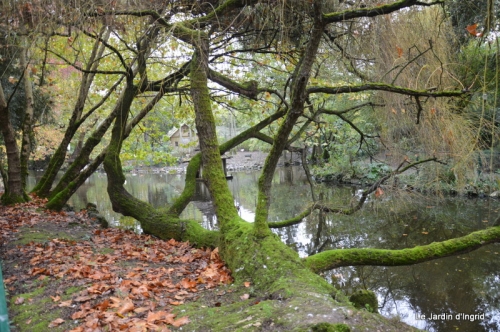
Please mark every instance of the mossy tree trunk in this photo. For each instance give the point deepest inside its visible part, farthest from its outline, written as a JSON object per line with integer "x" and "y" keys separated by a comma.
{"x": 213, "y": 171}
{"x": 83, "y": 159}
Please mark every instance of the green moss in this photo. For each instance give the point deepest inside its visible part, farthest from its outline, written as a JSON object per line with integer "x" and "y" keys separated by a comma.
{"x": 9, "y": 199}
{"x": 35, "y": 313}
{"x": 105, "y": 251}
{"x": 39, "y": 234}
{"x": 72, "y": 290}
{"x": 365, "y": 299}
{"x": 57, "y": 201}
{"x": 326, "y": 327}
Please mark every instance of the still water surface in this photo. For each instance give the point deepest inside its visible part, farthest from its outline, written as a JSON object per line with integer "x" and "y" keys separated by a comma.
{"x": 446, "y": 288}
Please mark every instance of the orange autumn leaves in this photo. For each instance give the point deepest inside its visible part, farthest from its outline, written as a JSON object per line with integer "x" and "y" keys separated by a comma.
{"x": 472, "y": 29}
{"x": 125, "y": 281}
{"x": 121, "y": 298}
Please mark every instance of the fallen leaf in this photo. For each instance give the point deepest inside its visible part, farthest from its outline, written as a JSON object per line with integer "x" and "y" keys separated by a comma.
{"x": 247, "y": 284}
{"x": 156, "y": 316}
{"x": 103, "y": 306}
{"x": 181, "y": 321}
{"x": 141, "y": 310}
{"x": 82, "y": 298}
{"x": 188, "y": 283}
{"x": 19, "y": 300}
{"x": 65, "y": 303}
{"x": 244, "y": 296}
{"x": 56, "y": 322}
{"x": 127, "y": 306}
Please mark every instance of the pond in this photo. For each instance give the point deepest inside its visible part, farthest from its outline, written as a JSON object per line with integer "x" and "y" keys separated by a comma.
{"x": 434, "y": 295}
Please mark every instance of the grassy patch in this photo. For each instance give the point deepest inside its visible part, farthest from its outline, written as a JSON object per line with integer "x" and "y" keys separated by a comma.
{"x": 35, "y": 312}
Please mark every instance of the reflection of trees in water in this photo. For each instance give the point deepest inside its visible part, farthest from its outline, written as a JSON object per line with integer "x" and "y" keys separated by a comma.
{"x": 426, "y": 289}
{"x": 450, "y": 285}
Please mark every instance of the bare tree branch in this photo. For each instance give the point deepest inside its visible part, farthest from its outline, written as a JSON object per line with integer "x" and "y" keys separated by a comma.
{"x": 348, "y": 211}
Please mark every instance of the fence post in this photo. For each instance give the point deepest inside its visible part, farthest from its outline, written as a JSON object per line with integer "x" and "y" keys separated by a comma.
{"x": 4, "y": 317}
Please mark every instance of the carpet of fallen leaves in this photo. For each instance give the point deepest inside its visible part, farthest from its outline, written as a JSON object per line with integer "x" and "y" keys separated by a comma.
{"x": 128, "y": 282}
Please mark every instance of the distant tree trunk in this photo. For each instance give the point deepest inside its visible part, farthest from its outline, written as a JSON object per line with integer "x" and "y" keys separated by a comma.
{"x": 3, "y": 172}
{"x": 78, "y": 147}
{"x": 14, "y": 192}
{"x": 26, "y": 142}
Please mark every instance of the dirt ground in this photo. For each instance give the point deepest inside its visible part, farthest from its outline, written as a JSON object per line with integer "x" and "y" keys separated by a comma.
{"x": 63, "y": 272}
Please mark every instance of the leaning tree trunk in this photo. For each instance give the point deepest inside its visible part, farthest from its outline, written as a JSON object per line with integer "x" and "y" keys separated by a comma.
{"x": 14, "y": 191}
{"x": 298, "y": 99}
{"x": 213, "y": 171}
{"x": 157, "y": 222}
{"x": 83, "y": 159}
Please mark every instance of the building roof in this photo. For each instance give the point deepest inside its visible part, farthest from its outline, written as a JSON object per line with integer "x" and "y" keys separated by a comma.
{"x": 172, "y": 131}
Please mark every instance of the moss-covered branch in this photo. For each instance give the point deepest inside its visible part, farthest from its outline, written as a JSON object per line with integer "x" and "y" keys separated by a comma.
{"x": 184, "y": 198}
{"x": 383, "y": 87}
{"x": 331, "y": 259}
{"x": 248, "y": 89}
{"x": 374, "y": 11}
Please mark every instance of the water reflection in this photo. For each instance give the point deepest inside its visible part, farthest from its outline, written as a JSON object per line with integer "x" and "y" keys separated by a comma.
{"x": 467, "y": 284}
